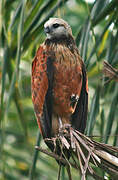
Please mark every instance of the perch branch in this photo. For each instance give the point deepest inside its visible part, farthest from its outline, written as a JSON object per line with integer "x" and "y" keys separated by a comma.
{"x": 84, "y": 150}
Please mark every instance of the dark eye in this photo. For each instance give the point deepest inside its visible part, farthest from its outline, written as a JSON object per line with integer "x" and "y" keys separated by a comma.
{"x": 56, "y": 25}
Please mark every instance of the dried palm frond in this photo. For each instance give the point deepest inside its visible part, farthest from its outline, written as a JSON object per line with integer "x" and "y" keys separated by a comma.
{"x": 110, "y": 72}
{"x": 84, "y": 152}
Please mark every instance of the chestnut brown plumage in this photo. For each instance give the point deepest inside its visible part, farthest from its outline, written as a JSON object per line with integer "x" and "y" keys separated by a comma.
{"x": 59, "y": 81}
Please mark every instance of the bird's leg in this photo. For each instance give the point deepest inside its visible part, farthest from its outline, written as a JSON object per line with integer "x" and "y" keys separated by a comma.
{"x": 60, "y": 123}
{"x": 67, "y": 126}
{"x": 63, "y": 126}
{"x": 60, "y": 126}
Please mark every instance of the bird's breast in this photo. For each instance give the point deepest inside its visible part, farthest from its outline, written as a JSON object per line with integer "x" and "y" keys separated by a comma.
{"x": 67, "y": 81}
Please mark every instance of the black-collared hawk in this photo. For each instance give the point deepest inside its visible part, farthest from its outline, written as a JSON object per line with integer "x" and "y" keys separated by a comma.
{"x": 59, "y": 81}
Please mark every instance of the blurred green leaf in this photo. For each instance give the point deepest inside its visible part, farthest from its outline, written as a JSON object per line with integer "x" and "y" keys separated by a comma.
{"x": 115, "y": 142}
{"x": 36, "y": 15}
{"x": 16, "y": 72}
{"x": 34, "y": 34}
{"x": 32, "y": 14}
{"x": 113, "y": 39}
{"x": 84, "y": 40}
{"x": 105, "y": 11}
{"x": 102, "y": 123}
{"x": 15, "y": 17}
{"x": 98, "y": 8}
{"x": 94, "y": 110}
{"x": 35, "y": 157}
{"x": 63, "y": 173}
{"x": 111, "y": 115}
{"x": 4, "y": 70}
{"x": 98, "y": 41}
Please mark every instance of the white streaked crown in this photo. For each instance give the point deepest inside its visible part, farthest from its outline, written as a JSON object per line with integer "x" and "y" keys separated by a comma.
{"x": 56, "y": 27}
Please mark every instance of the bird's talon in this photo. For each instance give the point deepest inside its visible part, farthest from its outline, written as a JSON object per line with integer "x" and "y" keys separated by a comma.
{"x": 64, "y": 129}
{"x": 67, "y": 126}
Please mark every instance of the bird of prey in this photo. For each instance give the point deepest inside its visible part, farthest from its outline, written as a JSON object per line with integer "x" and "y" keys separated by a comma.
{"x": 59, "y": 81}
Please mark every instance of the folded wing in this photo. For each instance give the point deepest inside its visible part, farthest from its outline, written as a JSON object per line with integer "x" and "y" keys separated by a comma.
{"x": 42, "y": 90}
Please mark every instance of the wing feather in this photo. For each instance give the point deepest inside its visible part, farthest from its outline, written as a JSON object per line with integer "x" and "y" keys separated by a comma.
{"x": 79, "y": 117}
{"x": 42, "y": 84}
{"x": 39, "y": 85}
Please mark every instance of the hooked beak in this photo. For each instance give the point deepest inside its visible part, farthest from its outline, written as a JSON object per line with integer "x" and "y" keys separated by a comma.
{"x": 47, "y": 30}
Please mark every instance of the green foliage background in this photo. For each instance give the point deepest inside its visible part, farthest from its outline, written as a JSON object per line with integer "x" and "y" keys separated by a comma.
{"x": 95, "y": 28}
